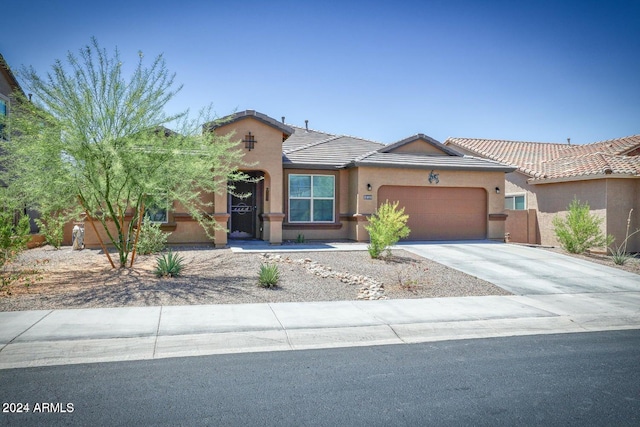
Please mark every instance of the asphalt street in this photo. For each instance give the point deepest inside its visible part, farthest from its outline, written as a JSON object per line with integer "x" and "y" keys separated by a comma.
{"x": 565, "y": 379}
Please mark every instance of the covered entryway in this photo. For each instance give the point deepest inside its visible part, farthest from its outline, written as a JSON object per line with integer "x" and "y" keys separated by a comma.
{"x": 243, "y": 223}
{"x": 441, "y": 213}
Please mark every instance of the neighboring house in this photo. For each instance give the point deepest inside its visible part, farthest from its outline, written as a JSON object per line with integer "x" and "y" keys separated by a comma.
{"x": 605, "y": 174}
{"x": 323, "y": 186}
{"x": 9, "y": 86}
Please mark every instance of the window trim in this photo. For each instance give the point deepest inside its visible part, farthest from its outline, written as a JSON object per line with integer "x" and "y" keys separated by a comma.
{"x": 513, "y": 197}
{"x": 311, "y": 199}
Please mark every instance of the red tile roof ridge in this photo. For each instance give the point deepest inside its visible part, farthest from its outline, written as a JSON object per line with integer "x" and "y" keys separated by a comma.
{"x": 508, "y": 140}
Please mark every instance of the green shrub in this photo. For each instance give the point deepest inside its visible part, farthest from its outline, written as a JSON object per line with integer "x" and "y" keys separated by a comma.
{"x": 152, "y": 239}
{"x": 52, "y": 228}
{"x": 13, "y": 236}
{"x": 169, "y": 265}
{"x": 386, "y": 227}
{"x": 269, "y": 275}
{"x": 580, "y": 230}
{"x": 13, "y": 240}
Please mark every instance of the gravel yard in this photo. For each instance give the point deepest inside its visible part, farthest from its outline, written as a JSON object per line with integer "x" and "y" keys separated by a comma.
{"x": 84, "y": 279}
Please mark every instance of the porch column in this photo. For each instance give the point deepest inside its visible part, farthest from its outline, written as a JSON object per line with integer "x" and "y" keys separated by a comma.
{"x": 361, "y": 220}
{"x": 273, "y": 227}
{"x": 221, "y": 216}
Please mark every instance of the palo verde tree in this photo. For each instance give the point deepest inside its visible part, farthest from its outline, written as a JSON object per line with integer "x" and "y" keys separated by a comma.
{"x": 97, "y": 139}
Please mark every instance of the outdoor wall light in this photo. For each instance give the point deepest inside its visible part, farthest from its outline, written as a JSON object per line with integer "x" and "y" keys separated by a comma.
{"x": 368, "y": 187}
{"x": 497, "y": 190}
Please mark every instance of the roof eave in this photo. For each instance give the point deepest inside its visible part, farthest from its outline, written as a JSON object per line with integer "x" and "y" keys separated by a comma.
{"x": 241, "y": 115}
{"x": 311, "y": 166}
{"x": 506, "y": 169}
{"x": 11, "y": 77}
{"x": 435, "y": 143}
{"x": 541, "y": 181}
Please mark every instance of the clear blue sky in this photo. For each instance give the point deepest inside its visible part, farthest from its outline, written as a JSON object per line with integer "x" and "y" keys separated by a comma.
{"x": 383, "y": 70}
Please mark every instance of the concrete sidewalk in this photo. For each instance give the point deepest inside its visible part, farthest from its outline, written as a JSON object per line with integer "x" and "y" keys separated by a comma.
{"x": 55, "y": 337}
{"x": 36, "y": 338}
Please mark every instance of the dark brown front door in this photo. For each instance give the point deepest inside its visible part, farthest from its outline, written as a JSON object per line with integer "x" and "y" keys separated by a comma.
{"x": 243, "y": 211}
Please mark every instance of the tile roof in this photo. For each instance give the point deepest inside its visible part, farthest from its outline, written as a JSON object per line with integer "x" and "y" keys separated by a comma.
{"x": 307, "y": 148}
{"x": 401, "y": 160}
{"x": 551, "y": 161}
{"x": 318, "y": 149}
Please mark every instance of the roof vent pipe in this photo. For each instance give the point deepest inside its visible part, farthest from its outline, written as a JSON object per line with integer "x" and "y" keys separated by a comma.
{"x": 569, "y": 141}
{"x": 282, "y": 119}
{"x": 306, "y": 125}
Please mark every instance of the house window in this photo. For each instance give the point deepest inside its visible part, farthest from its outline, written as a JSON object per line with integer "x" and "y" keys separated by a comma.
{"x": 3, "y": 116}
{"x": 514, "y": 202}
{"x": 311, "y": 198}
{"x": 157, "y": 211}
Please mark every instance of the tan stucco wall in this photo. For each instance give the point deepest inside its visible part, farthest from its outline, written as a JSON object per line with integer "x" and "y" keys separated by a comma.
{"x": 419, "y": 147}
{"x": 554, "y": 199}
{"x": 622, "y": 196}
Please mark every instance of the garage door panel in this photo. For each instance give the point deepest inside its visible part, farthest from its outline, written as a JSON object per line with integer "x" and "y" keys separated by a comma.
{"x": 441, "y": 213}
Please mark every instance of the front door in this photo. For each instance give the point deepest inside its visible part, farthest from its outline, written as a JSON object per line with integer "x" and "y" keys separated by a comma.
{"x": 243, "y": 211}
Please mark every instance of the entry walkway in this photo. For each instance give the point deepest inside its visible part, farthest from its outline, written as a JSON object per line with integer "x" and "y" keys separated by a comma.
{"x": 553, "y": 294}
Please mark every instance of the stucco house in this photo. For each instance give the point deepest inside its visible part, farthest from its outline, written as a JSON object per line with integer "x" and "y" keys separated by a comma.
{"x": 605, "y": 174}
{"x": 323, "y": 186}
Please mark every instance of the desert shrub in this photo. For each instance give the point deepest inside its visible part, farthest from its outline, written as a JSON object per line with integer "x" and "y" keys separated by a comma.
{"x": 580, "y": 230}
{"x": 52, "y": 228}
{"x": 386, "y": 227}
{"x": 619, "y": 254}
{"x": 152, "y": 239}
{"x": 269, "y": 275}
{"x": 169, "y": 265}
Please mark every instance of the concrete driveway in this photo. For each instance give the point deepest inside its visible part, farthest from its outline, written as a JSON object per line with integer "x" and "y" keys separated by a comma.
{"x": 525, "y": 270}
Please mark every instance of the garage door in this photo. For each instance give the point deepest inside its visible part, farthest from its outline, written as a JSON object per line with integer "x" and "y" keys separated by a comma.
{"x": 441, "y": 213}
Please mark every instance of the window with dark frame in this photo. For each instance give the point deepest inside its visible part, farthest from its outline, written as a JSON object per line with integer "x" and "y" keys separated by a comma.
{"x": 311, "y": 198}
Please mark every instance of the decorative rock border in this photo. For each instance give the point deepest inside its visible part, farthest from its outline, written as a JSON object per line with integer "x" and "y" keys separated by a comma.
{"x": 368, "y": 288}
